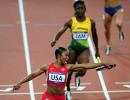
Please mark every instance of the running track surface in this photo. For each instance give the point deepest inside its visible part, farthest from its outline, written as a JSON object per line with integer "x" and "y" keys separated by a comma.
{"x": 43, "y": 19}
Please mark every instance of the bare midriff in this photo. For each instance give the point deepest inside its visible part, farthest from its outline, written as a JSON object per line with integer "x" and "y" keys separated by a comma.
{"x": 55, "y": 90}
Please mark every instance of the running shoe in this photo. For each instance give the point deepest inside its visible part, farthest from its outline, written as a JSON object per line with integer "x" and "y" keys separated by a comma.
{"x": 108, "y": 50}
{"x": 121, "y": 36}
{"x": 68, "y": 95}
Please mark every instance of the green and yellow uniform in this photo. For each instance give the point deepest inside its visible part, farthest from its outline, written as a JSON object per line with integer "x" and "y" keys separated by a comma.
{"x": 80, "y": 32}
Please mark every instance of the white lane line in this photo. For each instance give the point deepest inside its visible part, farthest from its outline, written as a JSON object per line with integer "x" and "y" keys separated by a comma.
{"x": 80, "y": 88}
{"x": 128, "y": 86}
{"x": 100, "y": 75}
{"x": 74, "y": 92}
{"x": 26, "y": 46}
{"x": 112, "y": 91}
{"x": 10, "y": 85}
{"x": 6, "y": 90}
{"x": 122, "y": 83}
{"x": 6, "y": 85}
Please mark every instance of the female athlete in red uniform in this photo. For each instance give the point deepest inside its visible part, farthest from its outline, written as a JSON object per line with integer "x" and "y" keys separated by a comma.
{"x": 57, "y": 74}
{"x": 81, "y": 27}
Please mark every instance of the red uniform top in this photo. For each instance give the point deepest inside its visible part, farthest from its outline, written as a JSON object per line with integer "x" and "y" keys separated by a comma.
{"x": 57, "y": 75}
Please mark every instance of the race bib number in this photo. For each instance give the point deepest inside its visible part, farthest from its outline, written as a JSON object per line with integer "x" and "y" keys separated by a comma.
{"x": 80, "y": 35}
{"x": 56, "y": 77}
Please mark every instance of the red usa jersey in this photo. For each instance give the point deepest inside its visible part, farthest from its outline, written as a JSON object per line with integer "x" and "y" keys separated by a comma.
{"x": 57, "y": 75}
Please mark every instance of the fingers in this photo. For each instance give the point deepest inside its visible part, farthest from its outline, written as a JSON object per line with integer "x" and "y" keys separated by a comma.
{"x": 16, "y": 87}
{"x": 52, "y": 44}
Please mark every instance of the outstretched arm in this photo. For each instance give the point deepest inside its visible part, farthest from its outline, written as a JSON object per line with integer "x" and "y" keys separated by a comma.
{"x": 62, "y": 30}
{"x": 91, "y": 66}
{"x": 30, "y": 77}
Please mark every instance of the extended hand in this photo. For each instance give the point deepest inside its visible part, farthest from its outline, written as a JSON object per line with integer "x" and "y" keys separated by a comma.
{"x": 53, "y": 43}
{"x": 16, "y": 87}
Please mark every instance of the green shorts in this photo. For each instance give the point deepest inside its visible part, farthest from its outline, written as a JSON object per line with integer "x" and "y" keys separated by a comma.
{"x": 79, "y": 46}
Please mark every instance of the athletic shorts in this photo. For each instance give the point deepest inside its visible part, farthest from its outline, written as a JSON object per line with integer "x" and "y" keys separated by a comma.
{"x": 77, "y": 47}
{"x": 113, "y": 10}
{"x": 47, "y": 96}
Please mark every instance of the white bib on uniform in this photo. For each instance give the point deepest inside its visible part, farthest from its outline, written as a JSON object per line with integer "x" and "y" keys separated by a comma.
{"x": 79, "y": 35}
{"x": 56, "y": 77}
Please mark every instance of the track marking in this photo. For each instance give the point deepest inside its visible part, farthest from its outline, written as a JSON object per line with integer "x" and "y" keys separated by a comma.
{"x": 74, "y": 92}
{"x": 122, "y": 83}
{"x": 26, "y": 47}
{"x": 128, "y": 86}
{"x": 74, "y": 84}
{"x": 80, "y": 88}
{"x": 6, "y": 85}
{"x": 13, "y": 25}
{"x": 26, "y": 22}
{"x": 6, "y": 90}
{"x": 10, "y": 85}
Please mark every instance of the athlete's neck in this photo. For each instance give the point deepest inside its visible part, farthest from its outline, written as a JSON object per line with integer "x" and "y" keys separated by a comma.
{"x": 58, "y": 63}
{"x": 80, "y": 18}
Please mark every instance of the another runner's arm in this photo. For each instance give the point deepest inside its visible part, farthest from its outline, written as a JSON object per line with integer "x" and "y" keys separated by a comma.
{"x": 62, "y": 30}
{"x": 94, "y": 35}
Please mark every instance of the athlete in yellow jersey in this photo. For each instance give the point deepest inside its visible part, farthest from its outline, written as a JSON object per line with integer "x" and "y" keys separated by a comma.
{"x": 80, "y": 32}
{"x": 80, "y": 27}
{"x": 112, "y": 8}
